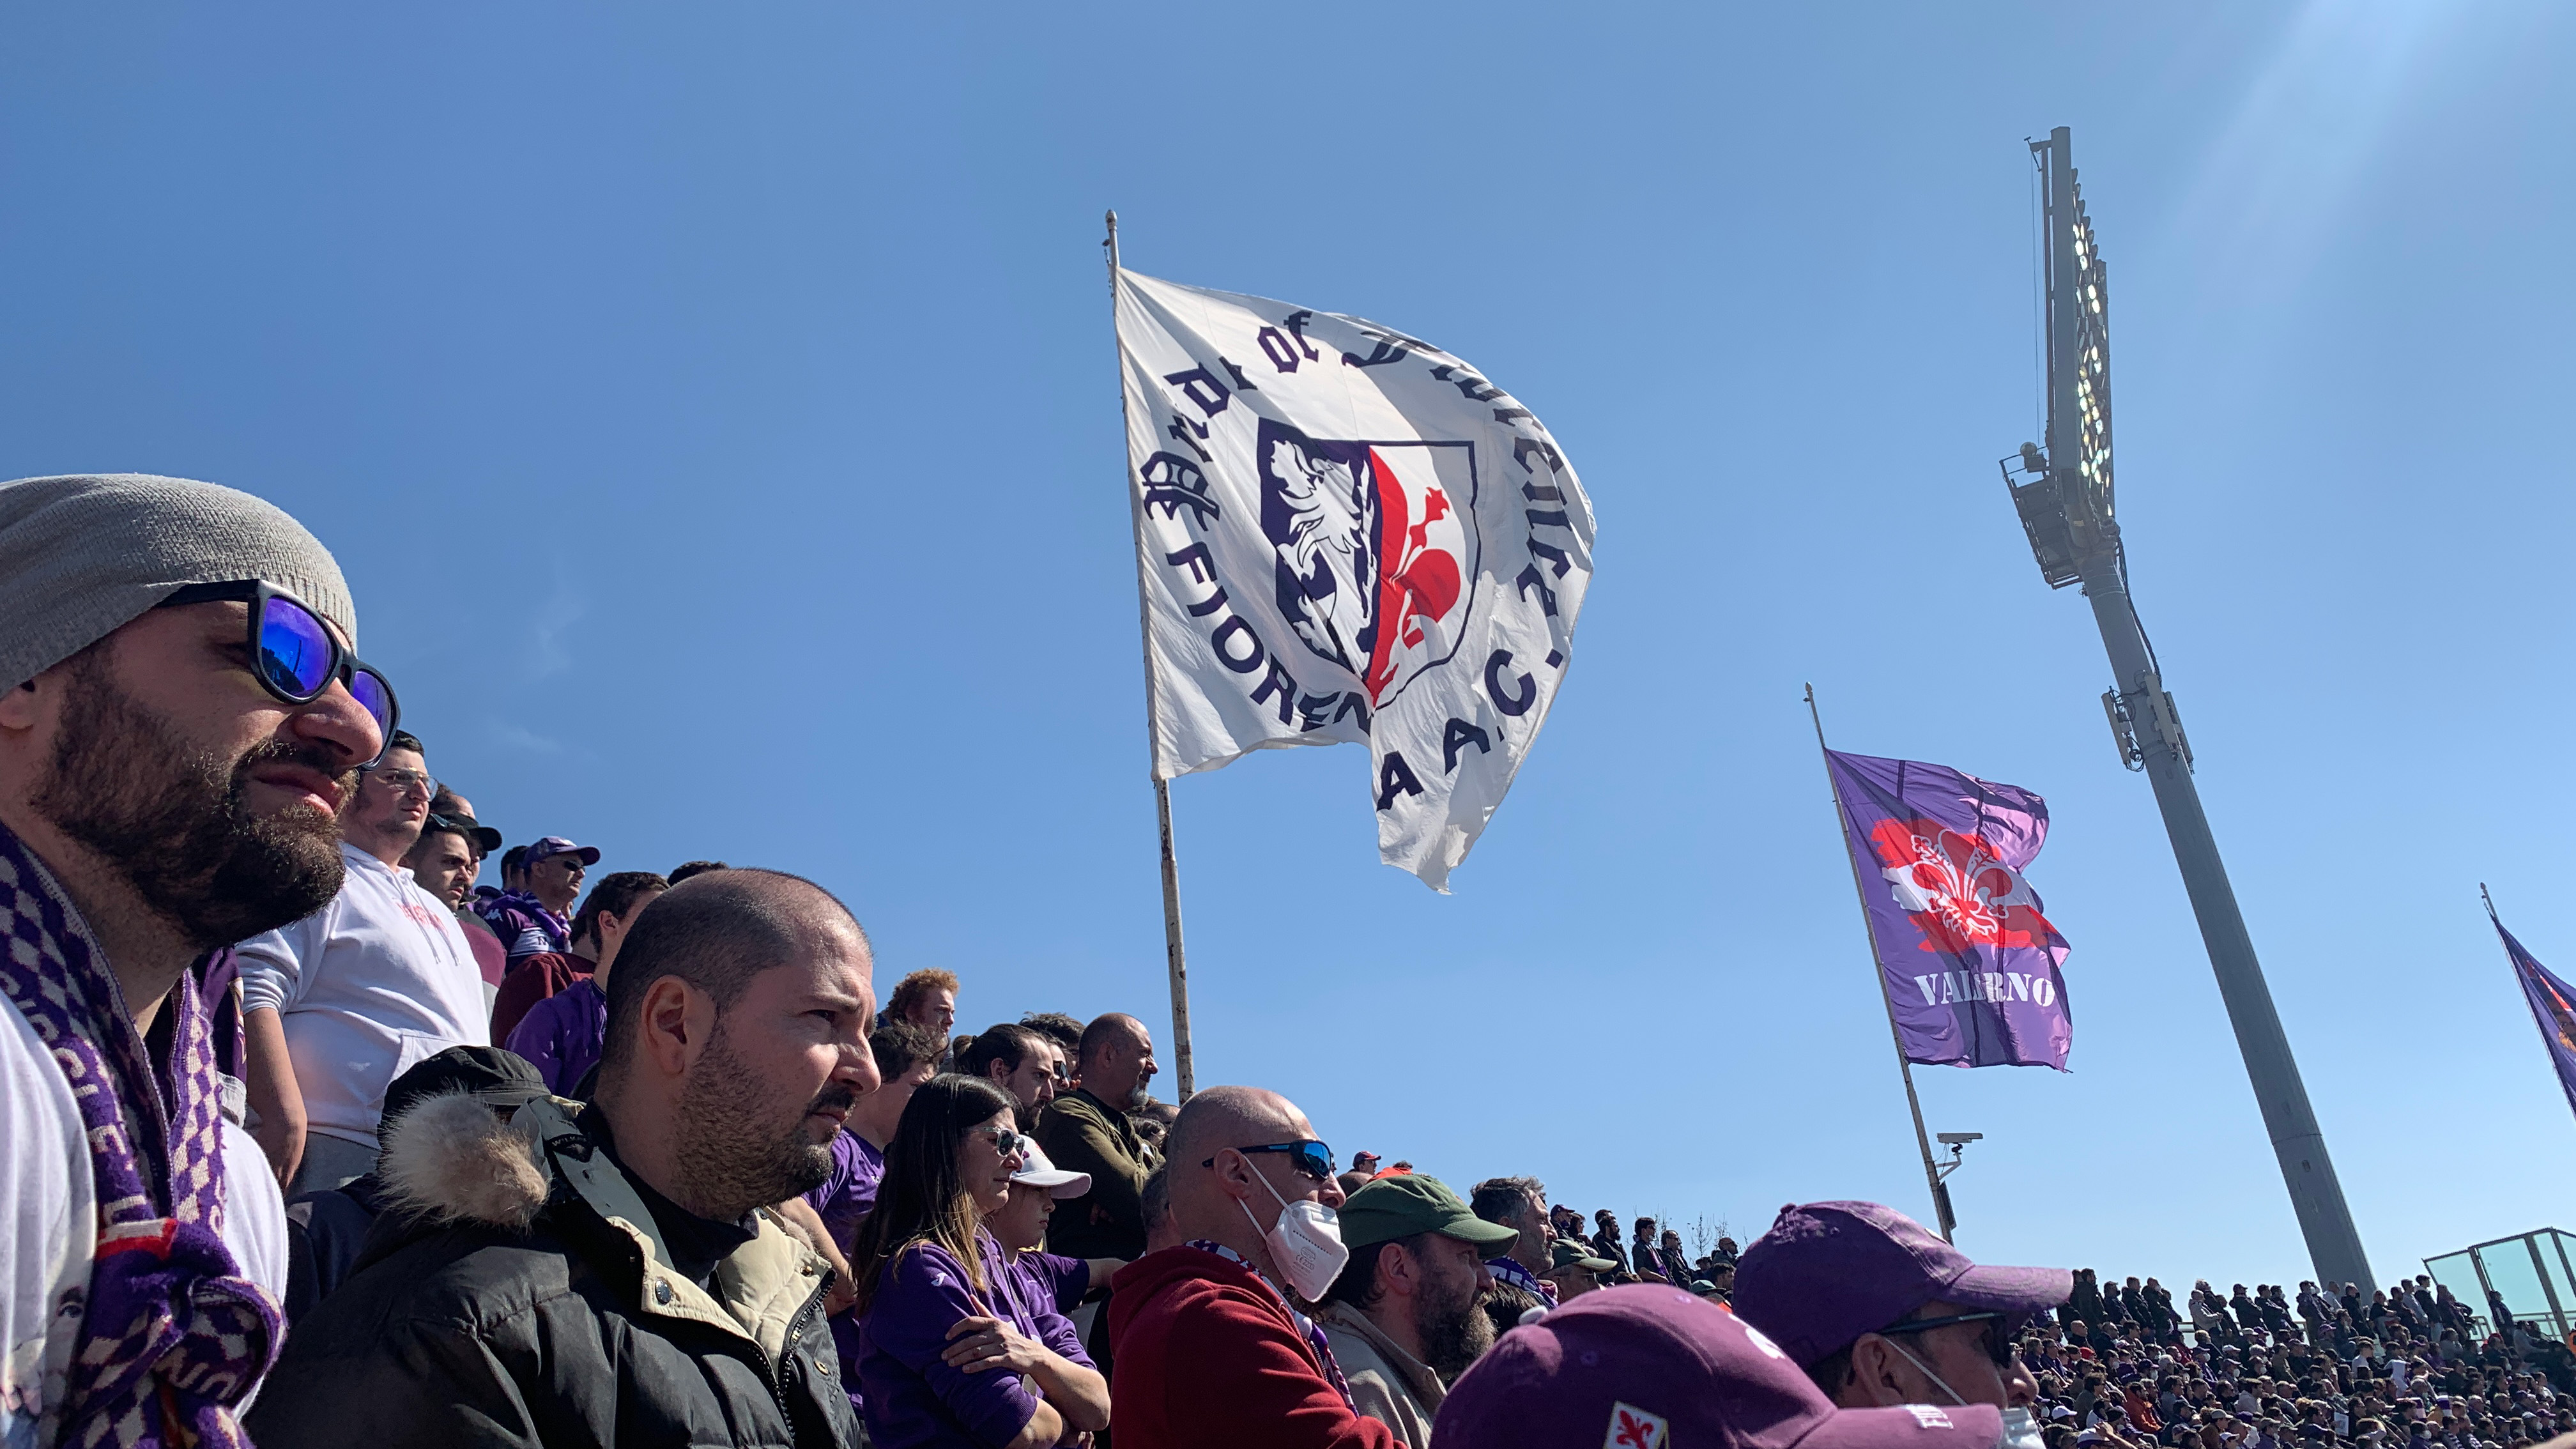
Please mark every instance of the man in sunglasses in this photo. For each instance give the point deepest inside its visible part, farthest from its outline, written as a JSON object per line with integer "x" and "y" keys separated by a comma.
{"x": 535, "y": 914}
{"x": 1213, "y": 1346}
{"x": 338, "y": 1004}
{"x": 1879, "y": 1311}
{"x": 182, "y": 715}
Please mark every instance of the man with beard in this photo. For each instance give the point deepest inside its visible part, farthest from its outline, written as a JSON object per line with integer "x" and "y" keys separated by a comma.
{"x": 182, "y": 715}
{"x": 1086, "y": 1130}
{"x": 1402, "y": 1317}
{"x": 617, "y": 1277}
{"x": 337, "y": 1005}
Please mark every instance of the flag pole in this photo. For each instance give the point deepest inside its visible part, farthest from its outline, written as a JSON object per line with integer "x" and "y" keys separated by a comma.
{"x": 1162, "y": 787}
{"x": 1905, "y": 1068}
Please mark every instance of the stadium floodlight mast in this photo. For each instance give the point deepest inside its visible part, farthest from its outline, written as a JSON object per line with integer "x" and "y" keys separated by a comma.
{"x": 2063, "y": 495}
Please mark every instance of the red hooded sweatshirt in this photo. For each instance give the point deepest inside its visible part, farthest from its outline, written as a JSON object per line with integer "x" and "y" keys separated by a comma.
{"x": 1208, "y": 1354}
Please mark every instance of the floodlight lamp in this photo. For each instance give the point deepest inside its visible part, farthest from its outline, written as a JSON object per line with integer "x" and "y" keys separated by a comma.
{"x": 1961, "y": 1139}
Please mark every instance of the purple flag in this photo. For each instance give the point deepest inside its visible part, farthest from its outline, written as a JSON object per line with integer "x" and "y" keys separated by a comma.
{"x": 2553, "y": 1005}
{"x": 1969, "y": 961}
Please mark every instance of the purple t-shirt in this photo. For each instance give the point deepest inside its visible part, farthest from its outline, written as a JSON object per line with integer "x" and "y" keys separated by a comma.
{"x": 1053, "y": 1279}
{"x": 562, "y": 1036}
{"x": 850, "y": 1193}
{"x": 844, "y": 1201}
{"x": 913, "y": 1396}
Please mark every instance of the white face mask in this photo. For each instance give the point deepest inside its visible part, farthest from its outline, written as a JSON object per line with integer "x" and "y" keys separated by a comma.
{"x": 1306, "y": 1243}
{"x": 2021, "y": 1427}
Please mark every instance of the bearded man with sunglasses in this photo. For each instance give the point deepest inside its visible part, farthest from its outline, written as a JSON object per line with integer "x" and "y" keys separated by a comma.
{"x": 338, "y": 1004}
{"x": 182, "y": 716}
{"x": 1879, "y": 1311}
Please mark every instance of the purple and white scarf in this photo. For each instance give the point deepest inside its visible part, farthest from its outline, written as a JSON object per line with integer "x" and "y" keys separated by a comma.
{"x": 172, "y": 1336}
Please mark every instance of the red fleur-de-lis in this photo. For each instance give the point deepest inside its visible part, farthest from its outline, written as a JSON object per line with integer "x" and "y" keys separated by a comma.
{"x": 1636, "y": 1431}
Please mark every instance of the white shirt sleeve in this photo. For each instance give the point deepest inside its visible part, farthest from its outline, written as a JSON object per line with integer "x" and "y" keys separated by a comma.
{"x": 273, "y": 962}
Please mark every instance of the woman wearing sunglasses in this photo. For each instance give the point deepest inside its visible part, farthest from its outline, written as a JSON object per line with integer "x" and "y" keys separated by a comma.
{"x": 949, "y": 1354}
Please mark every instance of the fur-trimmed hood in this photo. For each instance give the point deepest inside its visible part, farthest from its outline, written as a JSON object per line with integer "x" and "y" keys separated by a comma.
{"x": 451, "y": 1159}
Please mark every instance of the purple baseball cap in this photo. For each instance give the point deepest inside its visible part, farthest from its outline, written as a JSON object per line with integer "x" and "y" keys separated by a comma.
{"x": 1650, "y": 1367}
{"x": 1828, "y": 1272}
{"x": 553, "y": 845}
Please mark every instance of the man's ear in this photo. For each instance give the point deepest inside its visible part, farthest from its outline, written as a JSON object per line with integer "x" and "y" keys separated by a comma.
{"x": 26, "y": 705}
{"x": 1873, "y": 1368}
{"x": 678, "y": 1021}
{"x": 1398, "y": 1271}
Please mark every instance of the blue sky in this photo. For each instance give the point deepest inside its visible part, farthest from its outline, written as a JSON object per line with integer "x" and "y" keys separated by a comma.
{"x": 715, "y": 412}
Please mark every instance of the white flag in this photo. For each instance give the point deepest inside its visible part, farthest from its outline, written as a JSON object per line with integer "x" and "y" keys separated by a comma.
{"x": 1346, "y": 534}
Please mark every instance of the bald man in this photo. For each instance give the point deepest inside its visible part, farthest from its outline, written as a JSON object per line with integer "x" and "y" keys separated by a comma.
{"x": 1087, "y": 1130}
{"x": 1212, "y": 1347}
{"x": 610, "y": 1273}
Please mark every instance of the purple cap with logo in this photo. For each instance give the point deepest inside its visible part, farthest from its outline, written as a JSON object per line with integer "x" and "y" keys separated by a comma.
{"x": 1649, "y": 1367}
{"x": 1828, "y": 1272}
{"x": 554, "y": 845}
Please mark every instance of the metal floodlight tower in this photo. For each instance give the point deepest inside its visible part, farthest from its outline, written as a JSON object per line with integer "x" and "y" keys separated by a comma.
{"x": 2064, "y": 499}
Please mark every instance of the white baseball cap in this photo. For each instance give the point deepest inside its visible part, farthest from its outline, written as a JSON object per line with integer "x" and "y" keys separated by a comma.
{"x": 1036, "y": 1171}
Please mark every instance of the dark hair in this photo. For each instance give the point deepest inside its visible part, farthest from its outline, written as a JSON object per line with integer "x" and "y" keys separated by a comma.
{"x": 688, "y": 868}
{"x": 616, "y": 894}
{"x": 716, "y": 935}
{"x": 1832, "y": 1371}
{"x": 899, "y": 1046}
{"x": 921, "y": 1199}
{"x": 1357, "y": 1284}
{"x": 916, "y": 986}
{"x": 1497, "y": 1198}
{"x": 406, "y": 740}
{"x": 1504, "y": 1303}
{"x": 513, "y": 858}
{"x": 1010, "y": 1045}
{"x": 1056, "y": 1027}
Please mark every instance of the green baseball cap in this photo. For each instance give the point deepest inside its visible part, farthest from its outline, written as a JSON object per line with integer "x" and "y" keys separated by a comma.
{"x": 1571, "y": 1253}
{"x": 1399, "y": 1207}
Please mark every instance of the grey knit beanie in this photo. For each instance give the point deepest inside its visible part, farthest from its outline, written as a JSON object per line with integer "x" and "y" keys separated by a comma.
{"x": 80, "y": 556}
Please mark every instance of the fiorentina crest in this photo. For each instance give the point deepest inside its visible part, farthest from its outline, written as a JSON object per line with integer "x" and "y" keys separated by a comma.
{"x": 1969, "y": 961}
{"x": 1346, "y": 535}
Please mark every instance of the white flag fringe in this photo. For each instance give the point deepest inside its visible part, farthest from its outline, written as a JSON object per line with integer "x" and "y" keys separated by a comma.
{"x": 1346, "y": 534}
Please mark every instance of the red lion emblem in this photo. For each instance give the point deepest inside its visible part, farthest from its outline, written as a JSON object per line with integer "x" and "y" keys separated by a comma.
{"x": 1957, "y": 888}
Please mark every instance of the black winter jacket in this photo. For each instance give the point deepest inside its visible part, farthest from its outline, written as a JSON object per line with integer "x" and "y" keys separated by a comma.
{"x": 517, "y": 1291}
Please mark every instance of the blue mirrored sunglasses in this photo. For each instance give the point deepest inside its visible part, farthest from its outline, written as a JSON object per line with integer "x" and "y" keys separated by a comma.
{"x": 294, "y": 655}
{"x": 1311, "y": 1158}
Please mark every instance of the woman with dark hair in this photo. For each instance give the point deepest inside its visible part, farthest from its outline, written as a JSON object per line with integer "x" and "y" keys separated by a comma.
{"x": 950, "y": 1352}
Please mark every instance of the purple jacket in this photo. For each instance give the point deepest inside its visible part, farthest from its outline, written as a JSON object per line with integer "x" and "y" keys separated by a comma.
{"x": 914, "y": 1398}
{"x": 563, "y": 1035}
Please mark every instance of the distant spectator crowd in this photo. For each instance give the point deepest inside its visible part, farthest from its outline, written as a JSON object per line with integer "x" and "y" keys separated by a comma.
{"x": 315, "y": 1139}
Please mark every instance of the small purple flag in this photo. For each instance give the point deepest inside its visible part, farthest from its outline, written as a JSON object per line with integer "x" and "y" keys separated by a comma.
{"x": 1970, "y": 963}
{"x": 2553, "y": 1005}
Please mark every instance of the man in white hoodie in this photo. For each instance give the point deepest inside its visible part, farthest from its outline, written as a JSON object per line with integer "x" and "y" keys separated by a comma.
{"x": 337, "y": 1005}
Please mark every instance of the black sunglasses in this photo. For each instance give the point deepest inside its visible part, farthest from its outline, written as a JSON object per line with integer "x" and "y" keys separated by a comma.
{"x": 294, "y": 656}
{"x": 1999, "y": 1344}
{"x": 1311, "y": 1158}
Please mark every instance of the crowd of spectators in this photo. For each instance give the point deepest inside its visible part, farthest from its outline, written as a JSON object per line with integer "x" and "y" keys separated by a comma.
{"x": 316, "y": 1140}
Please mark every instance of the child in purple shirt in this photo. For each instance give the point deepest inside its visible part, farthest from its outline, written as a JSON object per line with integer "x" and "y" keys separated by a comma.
{"x": 955, "y": 1349}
